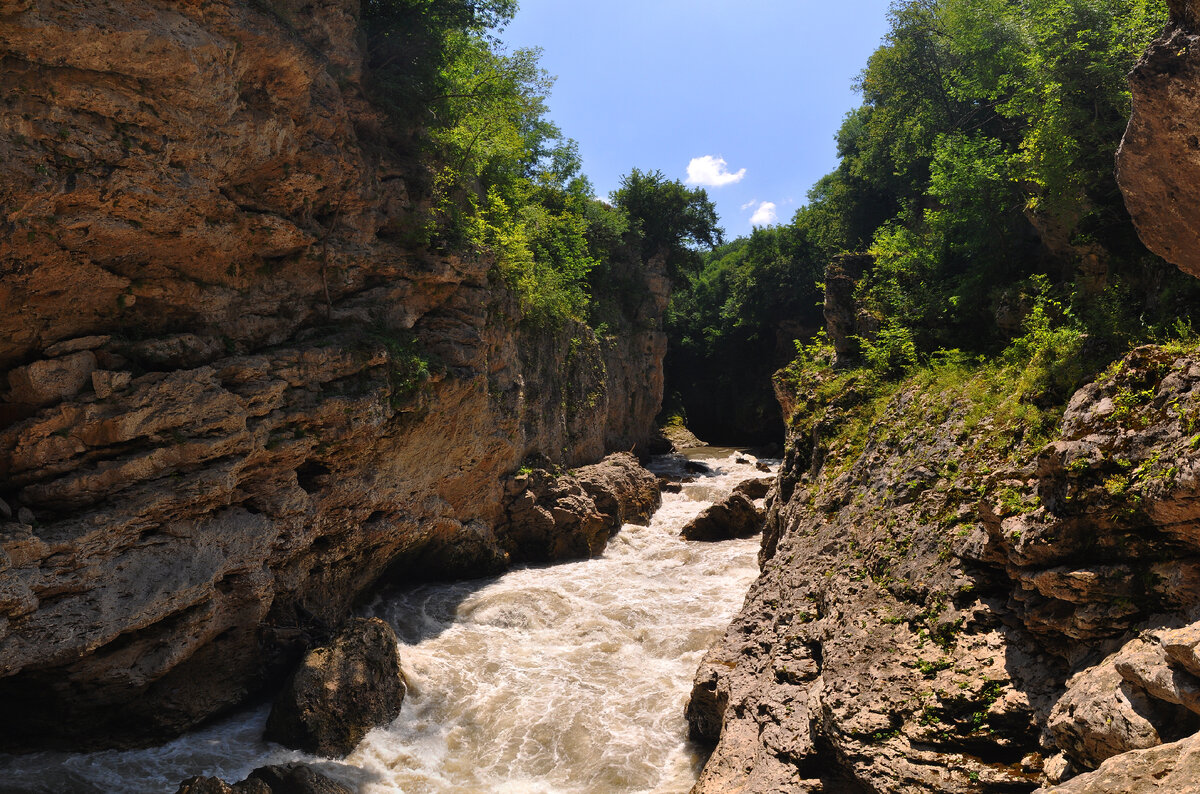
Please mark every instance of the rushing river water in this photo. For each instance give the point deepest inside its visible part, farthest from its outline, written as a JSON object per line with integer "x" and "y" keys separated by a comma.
{"x": 567, "y": 678}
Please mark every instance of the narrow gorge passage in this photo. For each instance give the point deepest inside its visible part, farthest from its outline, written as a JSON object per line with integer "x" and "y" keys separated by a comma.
{"x": 567, "y": 678}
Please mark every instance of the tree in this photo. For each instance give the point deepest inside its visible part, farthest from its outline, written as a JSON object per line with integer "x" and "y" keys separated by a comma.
{"x": 672, "y": 221}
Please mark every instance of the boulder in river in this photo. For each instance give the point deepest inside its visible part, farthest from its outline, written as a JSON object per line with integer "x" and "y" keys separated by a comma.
{"x": 734, "y": 517}
{"x": 340, "y": 692}
{"x": 564, "y": 516}
{"x": 282, "y": 779}
{"x": 754, "y": 489}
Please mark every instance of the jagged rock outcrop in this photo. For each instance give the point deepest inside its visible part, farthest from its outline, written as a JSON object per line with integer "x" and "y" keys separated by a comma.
{"x": 285, "y": 779}
{"x": 340, "y": 691}
{"x": 1158, "y": 164}
{"x": 235, "y": 395}
{"x": 566, "y": 516}
{"x": 933, "y": 617}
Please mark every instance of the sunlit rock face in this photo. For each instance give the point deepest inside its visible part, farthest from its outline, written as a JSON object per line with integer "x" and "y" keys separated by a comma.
{"x": 234, "y": 396}
{"x": 1158, "y": 164}
{"x": 933, "y": 615}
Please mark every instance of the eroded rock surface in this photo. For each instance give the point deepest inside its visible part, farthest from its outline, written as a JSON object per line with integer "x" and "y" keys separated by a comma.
{"x": 933, "y": 617}
{"x": 235, "y": 396}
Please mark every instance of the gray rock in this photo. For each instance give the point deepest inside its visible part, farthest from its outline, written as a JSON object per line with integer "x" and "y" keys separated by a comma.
{"x": 281, "y": 779}
{"x": 754, "y": 489}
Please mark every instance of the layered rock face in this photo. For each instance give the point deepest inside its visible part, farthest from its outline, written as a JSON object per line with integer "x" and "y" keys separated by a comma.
{"x": 934, "y": 615}
{"x": 236, "y": 397}
{"x": 1158, "y": 164}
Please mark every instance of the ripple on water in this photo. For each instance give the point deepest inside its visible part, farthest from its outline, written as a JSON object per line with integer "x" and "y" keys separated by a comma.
{"x": 554, "y": 680}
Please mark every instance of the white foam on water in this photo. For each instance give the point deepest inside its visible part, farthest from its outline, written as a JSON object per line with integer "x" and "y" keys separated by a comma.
{"x": 550, "y": 680}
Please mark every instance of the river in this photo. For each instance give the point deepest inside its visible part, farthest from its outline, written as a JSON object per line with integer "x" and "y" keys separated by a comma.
{"x": 564, "y": 678}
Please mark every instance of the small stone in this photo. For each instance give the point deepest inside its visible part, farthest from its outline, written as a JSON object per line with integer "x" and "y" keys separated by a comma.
{"x": 25, "y": 516}
{"x": 754, "y": 489}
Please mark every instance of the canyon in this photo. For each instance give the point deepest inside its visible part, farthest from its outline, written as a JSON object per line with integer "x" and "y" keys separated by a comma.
{"x": 242, "y": 397}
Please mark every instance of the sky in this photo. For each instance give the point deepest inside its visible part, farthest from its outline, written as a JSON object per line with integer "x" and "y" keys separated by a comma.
{"x": 741, "y": 97}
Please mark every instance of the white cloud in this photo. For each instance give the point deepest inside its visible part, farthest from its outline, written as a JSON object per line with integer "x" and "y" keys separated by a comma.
{"x": 749, "y": 204}
{"x": 709, "y": 171}
{"x": 765, "y": 215}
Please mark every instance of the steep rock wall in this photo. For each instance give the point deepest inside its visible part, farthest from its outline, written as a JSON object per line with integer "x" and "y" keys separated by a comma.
{"x": 237, "y": 398}
{"x": 940, "y": 613}
{"x": 1158, "y": 164}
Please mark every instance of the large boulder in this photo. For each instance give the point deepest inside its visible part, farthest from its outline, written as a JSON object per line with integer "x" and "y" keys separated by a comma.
{"x": 564, "y": 516}
{"x": 734, "y": 517}
{"x": 340, "y": 692}
{"x": 755, "y": 488}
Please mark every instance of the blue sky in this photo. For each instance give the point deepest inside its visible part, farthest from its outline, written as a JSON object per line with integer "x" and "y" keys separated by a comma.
{"x": 656, "y": 84}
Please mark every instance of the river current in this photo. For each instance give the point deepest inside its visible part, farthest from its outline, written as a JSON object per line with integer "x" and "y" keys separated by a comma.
{"x": 555, "y": 680}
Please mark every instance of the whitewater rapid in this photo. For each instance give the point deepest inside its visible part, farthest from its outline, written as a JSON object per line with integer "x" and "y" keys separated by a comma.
{"x": 553, "y": 680}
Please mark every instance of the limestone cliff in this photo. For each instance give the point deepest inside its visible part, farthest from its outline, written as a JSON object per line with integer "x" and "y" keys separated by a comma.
{"x": 945, "y": 607}
{"x": 237, "y": 396}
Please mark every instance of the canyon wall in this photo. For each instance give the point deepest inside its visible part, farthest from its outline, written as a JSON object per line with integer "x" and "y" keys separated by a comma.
{"x": 946, "y": 604}
{"x": 238, "y": 396}
{"x": 1158, "y": 163}
{"x": 943, "y": 607}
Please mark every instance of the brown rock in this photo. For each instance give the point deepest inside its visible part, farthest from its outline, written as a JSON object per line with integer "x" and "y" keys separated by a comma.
{"x": 205, "y": 785}
{"x": 1158, "y": 163}
{"x": 340, "y": 692}
{"x": 754, "y": 489}
{"x": 907, "y": 635}
{"x": 733, "y": 517}
{"x": 51, "y": 380}
{"x": 321, "y": 404}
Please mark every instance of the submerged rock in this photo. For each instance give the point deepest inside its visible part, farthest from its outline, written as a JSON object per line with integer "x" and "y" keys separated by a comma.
{"x": 283, "y": 779}
{"x": 340, "y": 692}
{"x": 733, "y": 517}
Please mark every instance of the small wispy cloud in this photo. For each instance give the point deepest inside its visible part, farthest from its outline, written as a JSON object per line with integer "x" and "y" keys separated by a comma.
{"x": 709, "y": 171}
{"x": 765, "y": 215}
{"x": 749, "y": 204}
